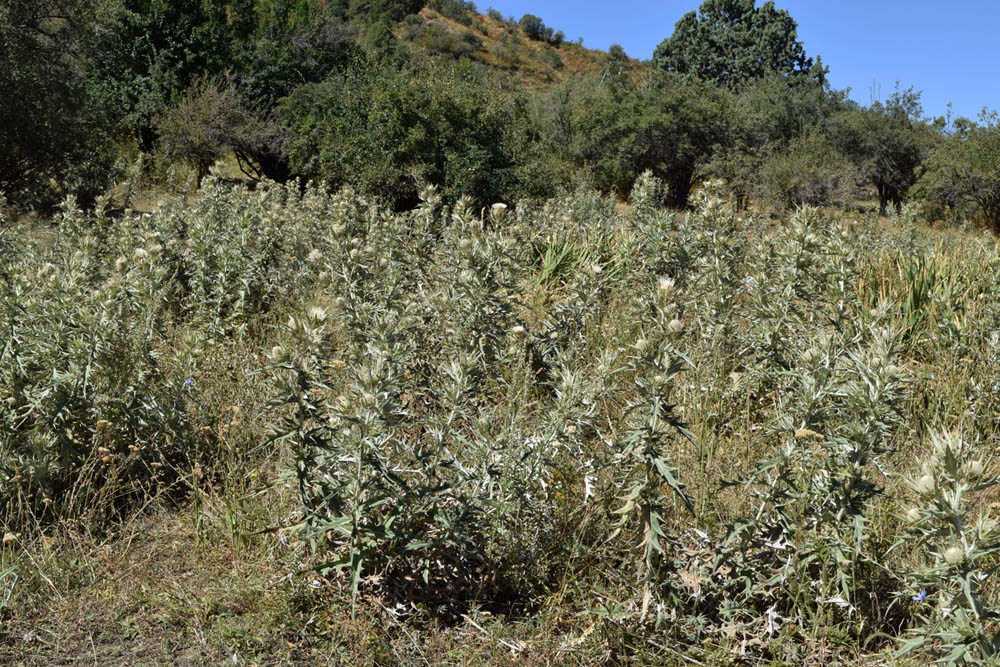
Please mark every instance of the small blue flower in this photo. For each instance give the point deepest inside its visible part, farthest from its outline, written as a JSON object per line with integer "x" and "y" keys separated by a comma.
{"x": 188, "y": 382}
{"x": 920, "y": 598}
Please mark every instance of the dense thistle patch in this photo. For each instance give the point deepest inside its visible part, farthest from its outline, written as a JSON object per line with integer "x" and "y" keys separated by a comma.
{"x": 687, "y": 423}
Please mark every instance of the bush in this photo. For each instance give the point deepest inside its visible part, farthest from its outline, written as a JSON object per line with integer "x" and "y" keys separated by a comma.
{"x": 809, "y": 173}
{"x": 533, "y": 27}
{"x": 377, "y": 130}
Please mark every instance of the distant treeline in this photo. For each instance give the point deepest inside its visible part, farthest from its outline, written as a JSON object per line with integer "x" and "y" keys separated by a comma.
{"x": 366, "y": 93}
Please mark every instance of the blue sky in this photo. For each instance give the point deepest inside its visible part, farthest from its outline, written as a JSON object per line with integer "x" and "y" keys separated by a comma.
{"x": 948, "y": 50}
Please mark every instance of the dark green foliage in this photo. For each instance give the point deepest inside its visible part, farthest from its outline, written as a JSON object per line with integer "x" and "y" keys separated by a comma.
{"x": 732, "y": 42}
{"x": 964, "y": 170}
{"x": 765, "y": 117}
{"x": 887, "y": 142}
{"x": 456, "y": 10}
{"x": 382, "y": 131}
{"x": 211, "y": 121}
{"x": 51, "y": 134}
{"x": 533, "y": 27}
{"x": 810, "y": 171}
{"x": 617, "y": 131}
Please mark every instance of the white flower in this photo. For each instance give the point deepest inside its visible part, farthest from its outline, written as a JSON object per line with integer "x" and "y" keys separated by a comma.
{"x": 676, "y": 326}
{"x": 925, "y": 485}
{"x": 665, "y": 285}
{"x": 314, "y": 255}
{"x": 954, "y": 554}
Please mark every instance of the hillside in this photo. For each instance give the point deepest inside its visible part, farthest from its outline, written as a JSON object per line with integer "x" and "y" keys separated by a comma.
{"x": 502, "y": 44}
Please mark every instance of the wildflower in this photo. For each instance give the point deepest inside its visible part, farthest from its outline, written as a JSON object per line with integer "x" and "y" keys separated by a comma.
{"x": 914, "y": 515}
{"x": 517, "y": 330}
{"x": 596, "y": 269}
{"x": 498, "y": 210}
{"x": 920, "y": 596}
{"x": 9, "y": 537}
{"x": 121, "y": 263}
{"x": 665, "y": 285}
{"x": 317, "y": 314}
{"x": 140, "y": 253}
{"x": 974, "y": 469}
{"x": 314, "y": 255}
{"x": 954, "y": 554}
{"x": 925, "y": 485}
{"x": 676, "y": 326}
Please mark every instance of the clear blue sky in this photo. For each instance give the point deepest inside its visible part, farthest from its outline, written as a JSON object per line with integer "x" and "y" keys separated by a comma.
{"x": 948, "y": 50}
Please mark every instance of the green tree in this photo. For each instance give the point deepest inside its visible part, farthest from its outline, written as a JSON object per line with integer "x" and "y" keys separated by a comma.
{"x": 964, "y": 169}
{"x": 533, "y": 27}
{"x": 670, "y": 126}
{"x": 887, "y": 142}
{"x": 51, "y": 132}
{"x": 766, "y": 117}
{"x": 731, "y": 42}
{"x": 380, "y": 130}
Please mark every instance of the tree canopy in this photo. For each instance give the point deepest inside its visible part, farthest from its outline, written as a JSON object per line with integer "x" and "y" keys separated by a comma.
{"x": 732, "y": 42}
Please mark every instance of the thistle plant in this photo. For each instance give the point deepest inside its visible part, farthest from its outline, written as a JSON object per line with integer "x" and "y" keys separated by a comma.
{"x": 643, "y": 466}
{"x": 951, "y": 593}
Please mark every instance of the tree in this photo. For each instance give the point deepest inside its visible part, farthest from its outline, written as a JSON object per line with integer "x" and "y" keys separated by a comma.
{"x": 964, "y": 169}
{"x": 380, "y": 130}
{"x": 533, "y": 27}
{"x": 767, "y": 117}
{"x": 213, "y": 121}
{"x": 670, "y": 127}
{"x": 51, "y": 136}
{"x": 887, "y": 142}
{"x": 731, "y": 42}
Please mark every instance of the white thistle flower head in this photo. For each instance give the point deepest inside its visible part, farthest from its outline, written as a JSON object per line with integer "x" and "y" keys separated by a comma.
{"x": 517, "y": 330}
{"x": 314, "y": 255}
{"x": 914, "y": 515}
{"x": 925, "y": 485}
{"x": 317, "y": 314}
{"x": 140, "y": 253}
{"x": 665, "y": 285}
{"x": 498, "y": 210}
{"x": 121, "y": 263}
{"x": 596, "y": 269}
{"x": 974, "y": 469}
{"x": 676, "y": 326}
{"x": 954, "y": 554}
